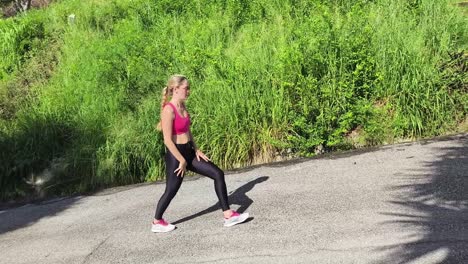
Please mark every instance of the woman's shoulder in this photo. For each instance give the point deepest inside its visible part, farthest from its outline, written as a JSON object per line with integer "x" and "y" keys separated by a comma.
{"x": 168, "y": 108}
{"x": 168, "y": 105}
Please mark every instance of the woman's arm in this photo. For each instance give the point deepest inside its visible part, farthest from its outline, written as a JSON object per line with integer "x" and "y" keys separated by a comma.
{"x": 191, "y": 139}
{"x": 167, "y": 118}
{"x": 198, "y": 153}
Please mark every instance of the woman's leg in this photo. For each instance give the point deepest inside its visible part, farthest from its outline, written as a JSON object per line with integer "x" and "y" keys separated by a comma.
{"x": 209, "y": 169}
{"x": 173, "y": 183}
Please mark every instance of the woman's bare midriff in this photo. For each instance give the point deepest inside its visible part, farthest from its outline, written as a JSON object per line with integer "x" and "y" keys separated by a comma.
{"x": 181, "y": 139}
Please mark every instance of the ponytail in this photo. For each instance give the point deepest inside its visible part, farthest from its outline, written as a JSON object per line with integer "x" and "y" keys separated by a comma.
{"x": 164, "y": 97}
{"x": 163, "y": 103}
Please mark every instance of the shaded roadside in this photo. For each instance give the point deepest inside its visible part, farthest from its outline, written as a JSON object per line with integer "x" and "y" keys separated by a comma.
{"x": 29, "y": 214}
{"x": 437, "y": 200}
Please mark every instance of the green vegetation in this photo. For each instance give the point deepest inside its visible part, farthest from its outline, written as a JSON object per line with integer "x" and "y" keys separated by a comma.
{"x": 79, "y": 98}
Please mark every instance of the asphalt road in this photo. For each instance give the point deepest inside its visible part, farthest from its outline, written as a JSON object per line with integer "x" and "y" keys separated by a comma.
{"x": 405, "y": 203}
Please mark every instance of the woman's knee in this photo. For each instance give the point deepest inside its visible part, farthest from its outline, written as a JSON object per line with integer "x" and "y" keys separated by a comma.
{"x": 171, "y": 191}
{"x": 218, "y": 175}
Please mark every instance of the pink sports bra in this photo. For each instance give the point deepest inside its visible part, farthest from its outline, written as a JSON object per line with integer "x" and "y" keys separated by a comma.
{"x": 181, "y": 124}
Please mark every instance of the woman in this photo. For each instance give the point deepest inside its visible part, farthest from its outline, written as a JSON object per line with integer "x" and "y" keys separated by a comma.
{"x": 182, "y": 154}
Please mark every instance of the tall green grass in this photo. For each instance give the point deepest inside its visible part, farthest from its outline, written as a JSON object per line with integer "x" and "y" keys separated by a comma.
{"x": 270, "y": 79}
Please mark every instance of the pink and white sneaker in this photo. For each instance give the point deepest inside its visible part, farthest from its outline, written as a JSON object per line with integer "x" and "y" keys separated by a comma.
{"x": 162, "y": 227}
{"x": 235, "y": 219}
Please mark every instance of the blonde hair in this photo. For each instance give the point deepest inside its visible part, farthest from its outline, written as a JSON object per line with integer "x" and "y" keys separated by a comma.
{"x": 173, "y": 82}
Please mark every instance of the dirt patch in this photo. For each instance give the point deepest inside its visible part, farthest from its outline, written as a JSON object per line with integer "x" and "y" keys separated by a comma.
{"x": 10, "y": 10}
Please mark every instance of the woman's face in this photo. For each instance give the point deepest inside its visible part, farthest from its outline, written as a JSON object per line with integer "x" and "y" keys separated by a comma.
{"x": 183, "y": 91}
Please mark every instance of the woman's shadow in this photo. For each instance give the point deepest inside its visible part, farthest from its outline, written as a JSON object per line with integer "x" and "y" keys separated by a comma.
{"x": 239, "y": 196}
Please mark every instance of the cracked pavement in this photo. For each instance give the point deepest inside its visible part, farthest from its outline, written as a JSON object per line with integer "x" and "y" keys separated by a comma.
{"x": 403, "y": 203}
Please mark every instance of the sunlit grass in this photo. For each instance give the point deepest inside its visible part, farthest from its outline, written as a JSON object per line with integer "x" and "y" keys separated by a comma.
{"x": 270, "y": 80}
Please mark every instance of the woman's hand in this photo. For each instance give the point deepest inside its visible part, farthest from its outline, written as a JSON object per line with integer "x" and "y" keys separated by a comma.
{"x": 202, "y": 155}
{"x": 181, "y": 169}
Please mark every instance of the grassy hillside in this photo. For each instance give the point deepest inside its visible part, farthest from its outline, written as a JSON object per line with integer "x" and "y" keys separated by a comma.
{"x": 79, "y": 97}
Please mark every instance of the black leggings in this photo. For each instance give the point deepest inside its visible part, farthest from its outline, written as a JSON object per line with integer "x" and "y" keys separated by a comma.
{"x": 173, "y": 182}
